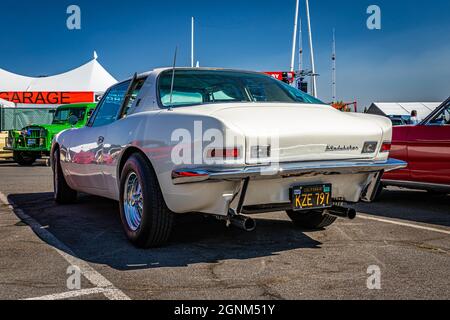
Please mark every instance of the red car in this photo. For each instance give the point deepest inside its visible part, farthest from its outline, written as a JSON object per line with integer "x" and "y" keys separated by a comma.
{"x": 426, "y": 148}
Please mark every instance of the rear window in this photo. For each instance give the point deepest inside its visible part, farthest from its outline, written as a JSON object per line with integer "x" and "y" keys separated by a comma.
{"x": 199, "y": 87}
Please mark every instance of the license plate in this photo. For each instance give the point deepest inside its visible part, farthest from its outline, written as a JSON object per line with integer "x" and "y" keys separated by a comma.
{"x": 31, "y": 142}
{"x": 311, "y": 197}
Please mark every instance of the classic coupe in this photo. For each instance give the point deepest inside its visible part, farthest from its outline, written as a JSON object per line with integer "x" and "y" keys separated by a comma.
{"x": 224, "y": 143}
{"x": 426, "y": 148}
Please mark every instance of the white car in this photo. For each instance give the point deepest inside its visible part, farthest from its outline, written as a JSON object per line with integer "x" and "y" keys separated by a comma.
{"x": 223, "y": 143}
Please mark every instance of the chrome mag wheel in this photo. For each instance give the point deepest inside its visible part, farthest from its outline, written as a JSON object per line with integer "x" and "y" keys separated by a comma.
{"x": 133, "y": 202}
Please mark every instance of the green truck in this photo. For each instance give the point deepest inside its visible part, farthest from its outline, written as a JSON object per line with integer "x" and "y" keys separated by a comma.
{"x": 35, "y": 141}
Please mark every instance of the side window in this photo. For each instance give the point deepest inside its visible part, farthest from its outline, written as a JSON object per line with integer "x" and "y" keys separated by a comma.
{"x": 131, "y": 97}
{"x": 95, "y": 111}
{"x": 110, "y": 106}
{"x": 442, "y": 118}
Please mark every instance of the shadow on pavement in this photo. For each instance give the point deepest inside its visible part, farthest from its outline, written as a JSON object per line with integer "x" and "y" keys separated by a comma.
{"x": 411, "y": 205}
{"x": 91, "y": 228}
{"x": 12, "y": 164}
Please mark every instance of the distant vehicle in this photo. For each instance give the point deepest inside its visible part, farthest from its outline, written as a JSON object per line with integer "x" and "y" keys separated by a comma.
{"x": 35, "y": 141}
{"x": 315, "y": 161}
{"x": 426, "y": 148}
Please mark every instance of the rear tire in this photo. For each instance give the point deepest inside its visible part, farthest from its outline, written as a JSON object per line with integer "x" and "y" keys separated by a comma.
{"x": 63, "y": 194}
{"x": 146, "y": 219}
{"x": 311, "y": 220}
{"x": 24, "y": 159}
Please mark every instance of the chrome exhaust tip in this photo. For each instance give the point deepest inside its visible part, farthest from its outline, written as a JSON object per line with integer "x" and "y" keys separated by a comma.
{"x": 243, "y": 223}
{"x": 341, "y": 212}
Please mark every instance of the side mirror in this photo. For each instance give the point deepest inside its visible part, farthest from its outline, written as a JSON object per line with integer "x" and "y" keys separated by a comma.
{"x": 73, "y": 120}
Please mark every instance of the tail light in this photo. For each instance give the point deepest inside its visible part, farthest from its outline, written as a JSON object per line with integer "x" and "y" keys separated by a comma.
{"x": 224, "y": 153}
{"x": 386, "y": 147}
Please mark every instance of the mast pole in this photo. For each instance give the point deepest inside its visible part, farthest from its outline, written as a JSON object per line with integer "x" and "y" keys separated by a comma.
{"x": 333, "y": 58}
{"x": 300, "y": 51}
{"x": 294, "y": 41}
{"x": 192, "y": 41}
{"x": 313, "y": 66}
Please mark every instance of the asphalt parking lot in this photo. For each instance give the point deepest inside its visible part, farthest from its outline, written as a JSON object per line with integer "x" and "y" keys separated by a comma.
{"x": 406, "y": 235}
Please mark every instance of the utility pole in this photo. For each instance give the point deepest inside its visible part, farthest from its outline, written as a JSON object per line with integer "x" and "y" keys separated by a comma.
{"x": 333, "y": 71}
{"x": 313, "y": 67}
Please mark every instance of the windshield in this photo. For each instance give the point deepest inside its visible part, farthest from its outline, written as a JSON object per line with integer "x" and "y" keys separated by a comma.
{"x": 63, "y": 115}
{"x": 197, "y": 87}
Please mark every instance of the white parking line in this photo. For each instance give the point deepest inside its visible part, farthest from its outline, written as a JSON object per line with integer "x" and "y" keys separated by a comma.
{"x": 95, "y": 278}
{"x": 403, "y": 224}
{"x": 70, "y": 294}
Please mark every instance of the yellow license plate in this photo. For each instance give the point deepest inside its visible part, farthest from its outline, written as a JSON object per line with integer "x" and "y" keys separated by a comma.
{"x": 311, "y": 197}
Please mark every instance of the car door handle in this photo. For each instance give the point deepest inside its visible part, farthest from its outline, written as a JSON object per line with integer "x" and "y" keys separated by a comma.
{"x": 100, "y": 140}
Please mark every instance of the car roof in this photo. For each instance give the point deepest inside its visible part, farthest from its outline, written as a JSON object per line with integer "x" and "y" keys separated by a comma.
{"x": 161, "y": 70}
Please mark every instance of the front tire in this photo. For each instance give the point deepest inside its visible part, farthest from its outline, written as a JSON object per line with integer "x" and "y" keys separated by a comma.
{"x": 63, "y": 194}
{"x": 311, "y": 220}
{"x": 146, "y": 219}
{"x": 24, "y": 159}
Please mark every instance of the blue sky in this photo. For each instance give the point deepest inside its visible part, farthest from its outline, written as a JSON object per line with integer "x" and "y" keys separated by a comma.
{"x": 407, "y": 60}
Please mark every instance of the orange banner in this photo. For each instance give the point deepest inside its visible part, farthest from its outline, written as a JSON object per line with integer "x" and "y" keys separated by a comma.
{"x": 47, "y": 97}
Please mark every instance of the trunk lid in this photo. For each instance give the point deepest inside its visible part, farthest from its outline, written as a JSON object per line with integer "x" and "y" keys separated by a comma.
{"x": 301, "y": 132}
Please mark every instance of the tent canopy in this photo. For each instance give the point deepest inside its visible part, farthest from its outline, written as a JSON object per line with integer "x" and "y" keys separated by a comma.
{"x": 90, "y": 77}
{"x": 403, "y": 108}
{"x": 5, "y": 103}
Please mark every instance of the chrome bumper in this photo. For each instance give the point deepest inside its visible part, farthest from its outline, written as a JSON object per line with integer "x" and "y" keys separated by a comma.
{"x": 285, "y": 170}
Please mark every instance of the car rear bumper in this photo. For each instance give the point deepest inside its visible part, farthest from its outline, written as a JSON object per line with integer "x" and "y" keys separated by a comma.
{"x": 285, "y": 170}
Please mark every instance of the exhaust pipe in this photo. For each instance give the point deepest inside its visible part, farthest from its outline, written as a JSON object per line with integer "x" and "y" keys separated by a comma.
{"x": 341, "y": 212}
{"x": 243, "y": 223}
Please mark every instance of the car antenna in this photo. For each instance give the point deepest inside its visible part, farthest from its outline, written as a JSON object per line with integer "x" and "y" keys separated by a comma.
{"x": 173, "y": 78}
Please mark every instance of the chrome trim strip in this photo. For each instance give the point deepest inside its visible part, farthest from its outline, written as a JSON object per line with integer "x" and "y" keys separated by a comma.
{"x": 284, "y": 170}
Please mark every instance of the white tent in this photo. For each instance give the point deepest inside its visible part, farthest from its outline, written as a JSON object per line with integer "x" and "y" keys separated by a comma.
{"x": 8, "y": 104}
{"x": 91, "y": 77}
{"x": 403, "y": 108}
